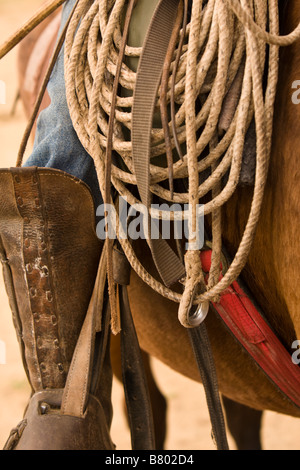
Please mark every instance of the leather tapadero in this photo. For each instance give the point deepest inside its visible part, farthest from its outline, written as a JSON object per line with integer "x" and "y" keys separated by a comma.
{"x": 46, "y": 429}
{"x": 50, "y": 256}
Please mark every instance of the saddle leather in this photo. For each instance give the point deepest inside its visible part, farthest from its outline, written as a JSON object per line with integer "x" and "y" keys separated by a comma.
{"x": 134, "y": 378}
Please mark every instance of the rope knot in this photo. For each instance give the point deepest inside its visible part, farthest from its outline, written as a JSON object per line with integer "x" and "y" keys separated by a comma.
{"x": 193, "y": 284}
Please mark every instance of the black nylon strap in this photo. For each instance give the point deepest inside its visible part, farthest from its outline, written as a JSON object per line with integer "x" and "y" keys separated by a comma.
{"x": 148, "y": 78}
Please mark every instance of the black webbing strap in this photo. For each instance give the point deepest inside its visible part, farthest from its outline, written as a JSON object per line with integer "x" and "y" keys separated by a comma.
{"x": 148, "y": 78}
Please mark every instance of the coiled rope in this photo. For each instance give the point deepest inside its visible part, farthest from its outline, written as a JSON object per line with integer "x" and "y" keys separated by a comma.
{"x": 225, "y": 45}
{"x": 223, "y": 38}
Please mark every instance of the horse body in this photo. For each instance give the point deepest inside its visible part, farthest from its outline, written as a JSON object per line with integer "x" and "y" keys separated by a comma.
{"x": 271, "y": 273}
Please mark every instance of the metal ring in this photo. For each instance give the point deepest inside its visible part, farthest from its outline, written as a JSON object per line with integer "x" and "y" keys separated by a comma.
{"x": 195, "y": 319}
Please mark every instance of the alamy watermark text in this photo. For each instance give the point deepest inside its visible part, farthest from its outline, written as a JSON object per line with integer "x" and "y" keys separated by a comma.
{"x": 166, "y": 222}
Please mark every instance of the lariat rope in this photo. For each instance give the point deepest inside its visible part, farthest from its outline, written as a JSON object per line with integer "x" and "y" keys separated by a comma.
{"x": 223, "y": 47}
{"x": 223, "y": 38}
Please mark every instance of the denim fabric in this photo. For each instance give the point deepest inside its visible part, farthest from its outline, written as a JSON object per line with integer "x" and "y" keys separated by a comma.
{"x": 56, "y": 143}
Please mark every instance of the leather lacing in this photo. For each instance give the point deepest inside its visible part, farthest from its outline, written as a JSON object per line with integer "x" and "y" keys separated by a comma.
{"x": 15, "y": 435}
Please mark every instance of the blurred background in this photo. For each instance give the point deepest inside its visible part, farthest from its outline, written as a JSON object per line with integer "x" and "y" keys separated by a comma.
{"x": 188, "y": 421}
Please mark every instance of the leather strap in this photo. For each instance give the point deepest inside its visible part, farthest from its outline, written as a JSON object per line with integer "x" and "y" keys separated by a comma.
{"x": 206, "y": 365}
{"x": 29, "y": 199}
{"x": 77, "y": 386}
{"x": 32, "y": 23}
{"x": 133, "y": 374}
{"x": 134, "y": 381}
{"x": 148, "y": 78}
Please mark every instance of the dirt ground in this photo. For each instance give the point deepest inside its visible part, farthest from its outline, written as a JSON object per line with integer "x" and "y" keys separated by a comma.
{"x": 188, "y": 422}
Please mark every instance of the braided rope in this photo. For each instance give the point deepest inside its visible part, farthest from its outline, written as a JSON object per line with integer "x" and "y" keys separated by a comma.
{"x": 224, "y": 38}
{"x": 223, "y": 48}
{"x": 221, "y": 37}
